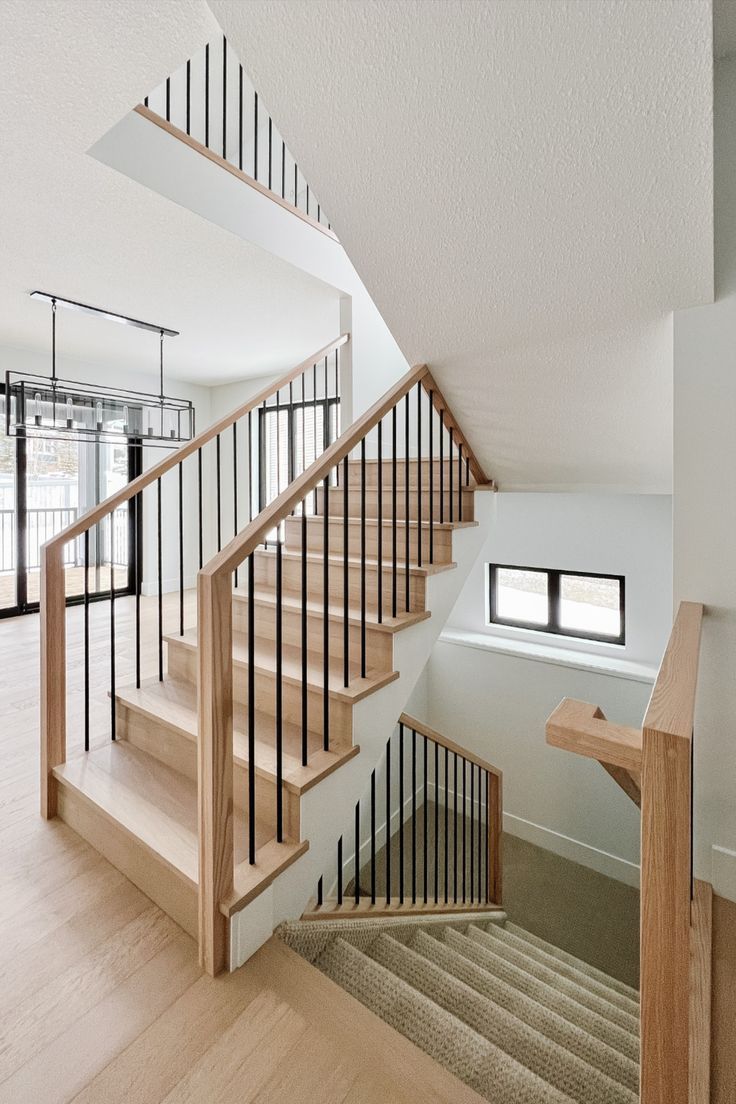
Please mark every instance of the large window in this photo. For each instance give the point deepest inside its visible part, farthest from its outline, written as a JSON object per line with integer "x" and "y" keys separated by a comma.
{"x": 570, "y": 603}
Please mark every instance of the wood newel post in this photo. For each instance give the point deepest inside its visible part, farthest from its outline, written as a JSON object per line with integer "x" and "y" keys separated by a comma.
{"x": 494, "y": 799}
{"x": 665, "y": 917}
{"x": 53, "y": 672}
{"x": 215, "y": 775}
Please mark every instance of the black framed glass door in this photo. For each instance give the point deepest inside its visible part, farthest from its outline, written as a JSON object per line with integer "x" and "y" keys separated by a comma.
{"x": 45, "y": 484}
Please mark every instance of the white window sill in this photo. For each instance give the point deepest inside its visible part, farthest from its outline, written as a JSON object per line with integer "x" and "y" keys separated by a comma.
{"x": 545, "y": 653}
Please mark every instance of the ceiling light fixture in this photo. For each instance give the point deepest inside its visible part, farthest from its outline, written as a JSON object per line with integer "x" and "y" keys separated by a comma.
{"x": 46, "y": 406}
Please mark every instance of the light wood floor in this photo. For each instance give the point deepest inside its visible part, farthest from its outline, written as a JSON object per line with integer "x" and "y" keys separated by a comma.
{"x": 101, "y": 998}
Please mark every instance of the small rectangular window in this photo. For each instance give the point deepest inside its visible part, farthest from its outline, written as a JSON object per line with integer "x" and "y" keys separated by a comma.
{"x": 570, "y": 603}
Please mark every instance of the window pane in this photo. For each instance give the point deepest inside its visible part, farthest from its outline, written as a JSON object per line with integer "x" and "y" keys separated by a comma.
{"x": 590, "y": 605}
{"x": 521, "y": 595}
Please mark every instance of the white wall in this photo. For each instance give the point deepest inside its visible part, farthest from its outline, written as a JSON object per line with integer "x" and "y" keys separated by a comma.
{"x": 705, "y": 509}
{"x": 147, "y": 154}
{"x": 496, "y": 701}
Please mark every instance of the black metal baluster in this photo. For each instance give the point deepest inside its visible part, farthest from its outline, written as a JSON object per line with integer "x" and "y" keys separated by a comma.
{"x": 442, "y": 466}
{"x": 447, "y": 822}
{"x": 373, "y": 837}
{"x": 436, "y": 823}
{"x": 279, "y": 694}
{"x": 159, "y": 563}
{"x": 283, "y": 171}
{"x": 407, "y": 511}
{"x": 339, "y": 871}
{"x": 345, "y": 580}
{"x": 181, "y": 550}
{"x": 431, "y": 477}
{"x": 138, "y": 504}
{"x": 472, "y": 831}
{"x": 449, "y": 451}
{"x": 296, "y": 186}
{"x": 255, "y": 139}
{"x": 199, "y": 507}
{"x": 357, "y": 853}
{"x": 319, "y": 892}
{"x": 401, "y": 813}
{"x": 189, "y": 96}
{"x": 270, "y": 152}
{"x": 426, "y": 814}
{"x": 207, "y": 95}
{"x": 86, "y": 638}
{"x": 464, "y": 830}
{"x": 379, "y": 580}
{"x": 168, "y": 99}
{"x": 235, "y": 487}
{"x": 459, "y": 482}
{"x": 419, "y": 474}
{"x": 454, "y": 841}
{"x": 240, "y": 118}
{"x": 224, "y": 98}
{"x": 250, "y": 465}
{"x": 388, "y": 821}
{"x": 113, "y": 732}
{"x": 305, "y": 696}
{"x": 219, "y": 503}
{"x": 394, "y": 554}
{"x": 326, "y": 618}
{"x": 362, "y": 560}
{"x": 413, "y": 817}
{"x": 251, "y": 712}
{"x": 307, "y": 204}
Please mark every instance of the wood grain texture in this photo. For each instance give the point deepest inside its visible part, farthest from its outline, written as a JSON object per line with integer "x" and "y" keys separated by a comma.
{"x": 494, "y": 803}
{"x": 723, "y": 1003}
{"x": 198, "y": 147}
{"x": 174, "y": 458}
{"x": 583, "y": 729}
{"x": 365, "y": 908}
{"x": 666, "y": 851}
{"x": 216, "y": 848}
{"x": 700, "y": 992}
{"x": 629, "y": 781}
{"x": 53, "y": 674}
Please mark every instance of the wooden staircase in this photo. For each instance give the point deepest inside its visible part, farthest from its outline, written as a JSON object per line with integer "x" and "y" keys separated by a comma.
{"x": 139, "y": 797}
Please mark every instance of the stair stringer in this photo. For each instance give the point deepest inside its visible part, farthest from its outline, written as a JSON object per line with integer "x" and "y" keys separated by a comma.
{"x": 374, "y": 719}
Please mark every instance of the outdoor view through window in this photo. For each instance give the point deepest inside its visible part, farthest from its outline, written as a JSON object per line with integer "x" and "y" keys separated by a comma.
{"x": 571, "y": 603}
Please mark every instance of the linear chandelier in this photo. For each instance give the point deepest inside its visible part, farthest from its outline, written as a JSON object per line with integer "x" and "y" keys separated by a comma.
{"x": 47, "y": 406}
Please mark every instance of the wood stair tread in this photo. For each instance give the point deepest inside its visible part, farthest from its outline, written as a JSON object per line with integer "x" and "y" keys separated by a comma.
{"x": 355, "y": 561}
{"x": 173, "y": 702}
{"x": 365, "y": 908}
{"x": 265, "y": 661}
{"x": 155, "y": 804}
{"x": 315, "y": 608}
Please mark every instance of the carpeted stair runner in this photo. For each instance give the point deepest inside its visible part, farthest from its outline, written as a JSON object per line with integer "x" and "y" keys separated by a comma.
{"x": 516, "y": 1019}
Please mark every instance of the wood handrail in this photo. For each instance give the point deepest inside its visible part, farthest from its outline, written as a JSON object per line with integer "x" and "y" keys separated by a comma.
{"x": 172, "y": 459}
{"x": 211, "y": 155}
{"x": 443, "y": 741}
{"x": 241, "y": 545}
{"x": 671, "y": 707}
{"x": 582, "y": 728}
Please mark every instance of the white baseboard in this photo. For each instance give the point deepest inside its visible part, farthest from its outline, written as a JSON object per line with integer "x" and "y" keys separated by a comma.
{"x": 723, "y": 872}
{"x": 610, "y": 865}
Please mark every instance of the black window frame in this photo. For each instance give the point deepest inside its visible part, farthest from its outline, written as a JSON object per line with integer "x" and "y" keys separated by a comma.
{"x": 552, "y": 625}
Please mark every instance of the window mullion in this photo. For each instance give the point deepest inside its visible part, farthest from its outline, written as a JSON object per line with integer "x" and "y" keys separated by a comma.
{"x": 553, "y": 598}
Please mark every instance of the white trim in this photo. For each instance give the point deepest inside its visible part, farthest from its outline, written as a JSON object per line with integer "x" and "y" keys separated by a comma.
{"x": 545, "y": 653}
{"x": 574, "y": 850}
{"x": 723, "y": 872}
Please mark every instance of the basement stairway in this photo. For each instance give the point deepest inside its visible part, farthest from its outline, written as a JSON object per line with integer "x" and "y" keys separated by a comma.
{"x": 515, "y": 1018}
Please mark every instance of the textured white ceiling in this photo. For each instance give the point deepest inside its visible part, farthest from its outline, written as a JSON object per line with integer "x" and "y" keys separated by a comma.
{"x": 68, "y": 72}
{"x": 510, "y": 177}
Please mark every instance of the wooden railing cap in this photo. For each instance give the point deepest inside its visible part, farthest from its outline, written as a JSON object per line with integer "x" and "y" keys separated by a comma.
{"x": 443, "y": 741}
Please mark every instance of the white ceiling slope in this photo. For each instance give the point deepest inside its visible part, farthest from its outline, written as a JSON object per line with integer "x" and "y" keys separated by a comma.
{"x": 509, "y": 178}
{"x": 69, "y": 70}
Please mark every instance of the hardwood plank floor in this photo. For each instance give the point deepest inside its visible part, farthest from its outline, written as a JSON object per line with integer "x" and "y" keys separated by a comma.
{"x": 102, "y": 1000}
